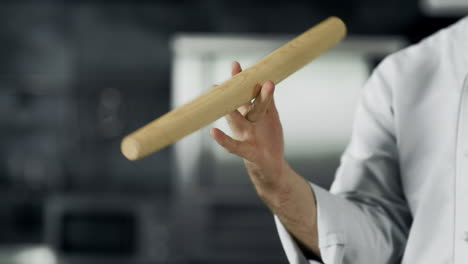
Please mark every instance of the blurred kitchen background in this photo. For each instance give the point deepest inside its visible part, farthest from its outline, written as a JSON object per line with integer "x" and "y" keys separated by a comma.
{"x": 76, "y": 76}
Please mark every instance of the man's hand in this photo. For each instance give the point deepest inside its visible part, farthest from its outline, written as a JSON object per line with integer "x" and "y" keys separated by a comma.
{"x": 258, "y": 139}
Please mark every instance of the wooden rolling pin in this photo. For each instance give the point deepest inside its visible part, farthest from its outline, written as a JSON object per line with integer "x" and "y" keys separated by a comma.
{"x": 234, "y": 92}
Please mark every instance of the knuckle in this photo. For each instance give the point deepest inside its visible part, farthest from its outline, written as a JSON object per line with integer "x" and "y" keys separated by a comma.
{"x": 232, "y": 148}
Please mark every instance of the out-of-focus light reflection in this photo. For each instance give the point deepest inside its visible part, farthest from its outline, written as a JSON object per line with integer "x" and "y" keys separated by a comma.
{"x": 444, "y": 7}
{"x": 34, "y": 255}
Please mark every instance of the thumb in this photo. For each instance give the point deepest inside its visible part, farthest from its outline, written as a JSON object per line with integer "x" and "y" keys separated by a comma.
{"x": 239, "y": 148}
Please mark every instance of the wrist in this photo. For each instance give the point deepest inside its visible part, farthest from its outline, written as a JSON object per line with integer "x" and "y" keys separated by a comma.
{"x": 276, "y": 194}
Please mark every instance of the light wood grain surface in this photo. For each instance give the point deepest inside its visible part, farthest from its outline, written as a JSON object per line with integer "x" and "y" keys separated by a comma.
{"x": 234, "y": 92}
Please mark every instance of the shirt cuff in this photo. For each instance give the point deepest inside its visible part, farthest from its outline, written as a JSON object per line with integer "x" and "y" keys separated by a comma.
{"x": 330, "y": 231}
{"x": 292, "y": 250}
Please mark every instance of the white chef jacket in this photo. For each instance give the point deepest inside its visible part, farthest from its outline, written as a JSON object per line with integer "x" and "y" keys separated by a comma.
{"x": 401, "y": 192}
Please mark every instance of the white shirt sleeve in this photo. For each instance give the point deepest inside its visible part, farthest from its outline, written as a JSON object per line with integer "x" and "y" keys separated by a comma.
{"x": 330, "y": 227}
{"x": 364, "y": 218}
